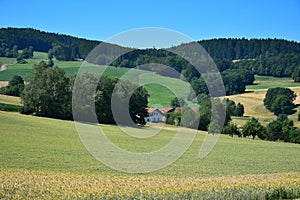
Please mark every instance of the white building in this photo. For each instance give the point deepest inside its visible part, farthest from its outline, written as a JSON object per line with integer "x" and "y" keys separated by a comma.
{"x": 155, "y": 115}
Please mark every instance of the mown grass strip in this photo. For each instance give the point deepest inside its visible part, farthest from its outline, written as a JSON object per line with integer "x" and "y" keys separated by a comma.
{"x": 10, "y": 107}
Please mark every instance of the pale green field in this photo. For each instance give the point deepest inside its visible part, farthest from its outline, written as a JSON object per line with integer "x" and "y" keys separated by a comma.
{"x": 44, "y": 158}
{"x": 265, "y": 82}
{"x": 30, "y": 142}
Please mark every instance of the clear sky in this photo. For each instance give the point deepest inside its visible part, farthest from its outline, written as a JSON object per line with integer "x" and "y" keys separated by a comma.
{"x": 198, "y": 19}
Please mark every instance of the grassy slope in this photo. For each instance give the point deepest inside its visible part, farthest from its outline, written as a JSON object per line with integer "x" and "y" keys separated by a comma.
{"x": 49, "y": 144}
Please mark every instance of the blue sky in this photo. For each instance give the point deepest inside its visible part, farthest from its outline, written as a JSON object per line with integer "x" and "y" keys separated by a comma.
{"x": 197, "y": 19}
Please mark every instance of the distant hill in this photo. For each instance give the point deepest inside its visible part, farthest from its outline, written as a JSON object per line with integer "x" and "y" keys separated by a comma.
{"x": 62, "y": 47}
{"x": 43, "y": 41}
{"x": 274, "y": 57}
{"x": 234, "y": 48}
{"x": 223, "y": 48}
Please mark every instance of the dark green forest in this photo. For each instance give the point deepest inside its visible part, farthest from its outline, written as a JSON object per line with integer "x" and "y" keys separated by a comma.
{"x": 71, "y": 47}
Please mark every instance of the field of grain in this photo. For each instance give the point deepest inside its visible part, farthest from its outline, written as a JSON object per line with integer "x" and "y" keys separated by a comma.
{"x": 10, "y": 100}
{"x": 29, "y": 184}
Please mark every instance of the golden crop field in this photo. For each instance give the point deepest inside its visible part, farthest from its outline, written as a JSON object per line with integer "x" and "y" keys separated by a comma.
{"x": 10, "y": 100}
{"x": 27, "y": 184}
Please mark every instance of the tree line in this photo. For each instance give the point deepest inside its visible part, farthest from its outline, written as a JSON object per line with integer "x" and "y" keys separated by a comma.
{"x": 13, "y": 52}
{"x": 274, "y": 57}
{"x": 281, "y": 129}
{"x": 234, "y": 81}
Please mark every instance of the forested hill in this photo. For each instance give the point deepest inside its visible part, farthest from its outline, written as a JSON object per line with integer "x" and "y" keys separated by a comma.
{"x": 73, "y": 47}
{"x": 243, "y": 48}
{"x": 70, "y": 47}
{"x": 273, "y": 57}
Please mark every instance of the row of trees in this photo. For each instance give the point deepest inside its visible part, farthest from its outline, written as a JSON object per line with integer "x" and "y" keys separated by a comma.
{"x": 280, "y": 129}
{"x": 262, "y": 56}
{"x": 5, "y": 51}
{"x": 231, "y": 48}
{"x": 49, "y": 93}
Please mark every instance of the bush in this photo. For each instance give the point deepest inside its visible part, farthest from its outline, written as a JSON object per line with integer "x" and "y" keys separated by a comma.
{"x": 231, "y": 129}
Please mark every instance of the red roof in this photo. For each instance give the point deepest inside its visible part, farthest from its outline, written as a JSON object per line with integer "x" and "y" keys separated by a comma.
{"x": 166, "y": 109}
{"x": 150, "y": 110}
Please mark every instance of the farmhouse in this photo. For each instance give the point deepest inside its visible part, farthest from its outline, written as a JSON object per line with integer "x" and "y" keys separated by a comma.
{"x": 155, "y": 115}
{"x": 159, "y": 115}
